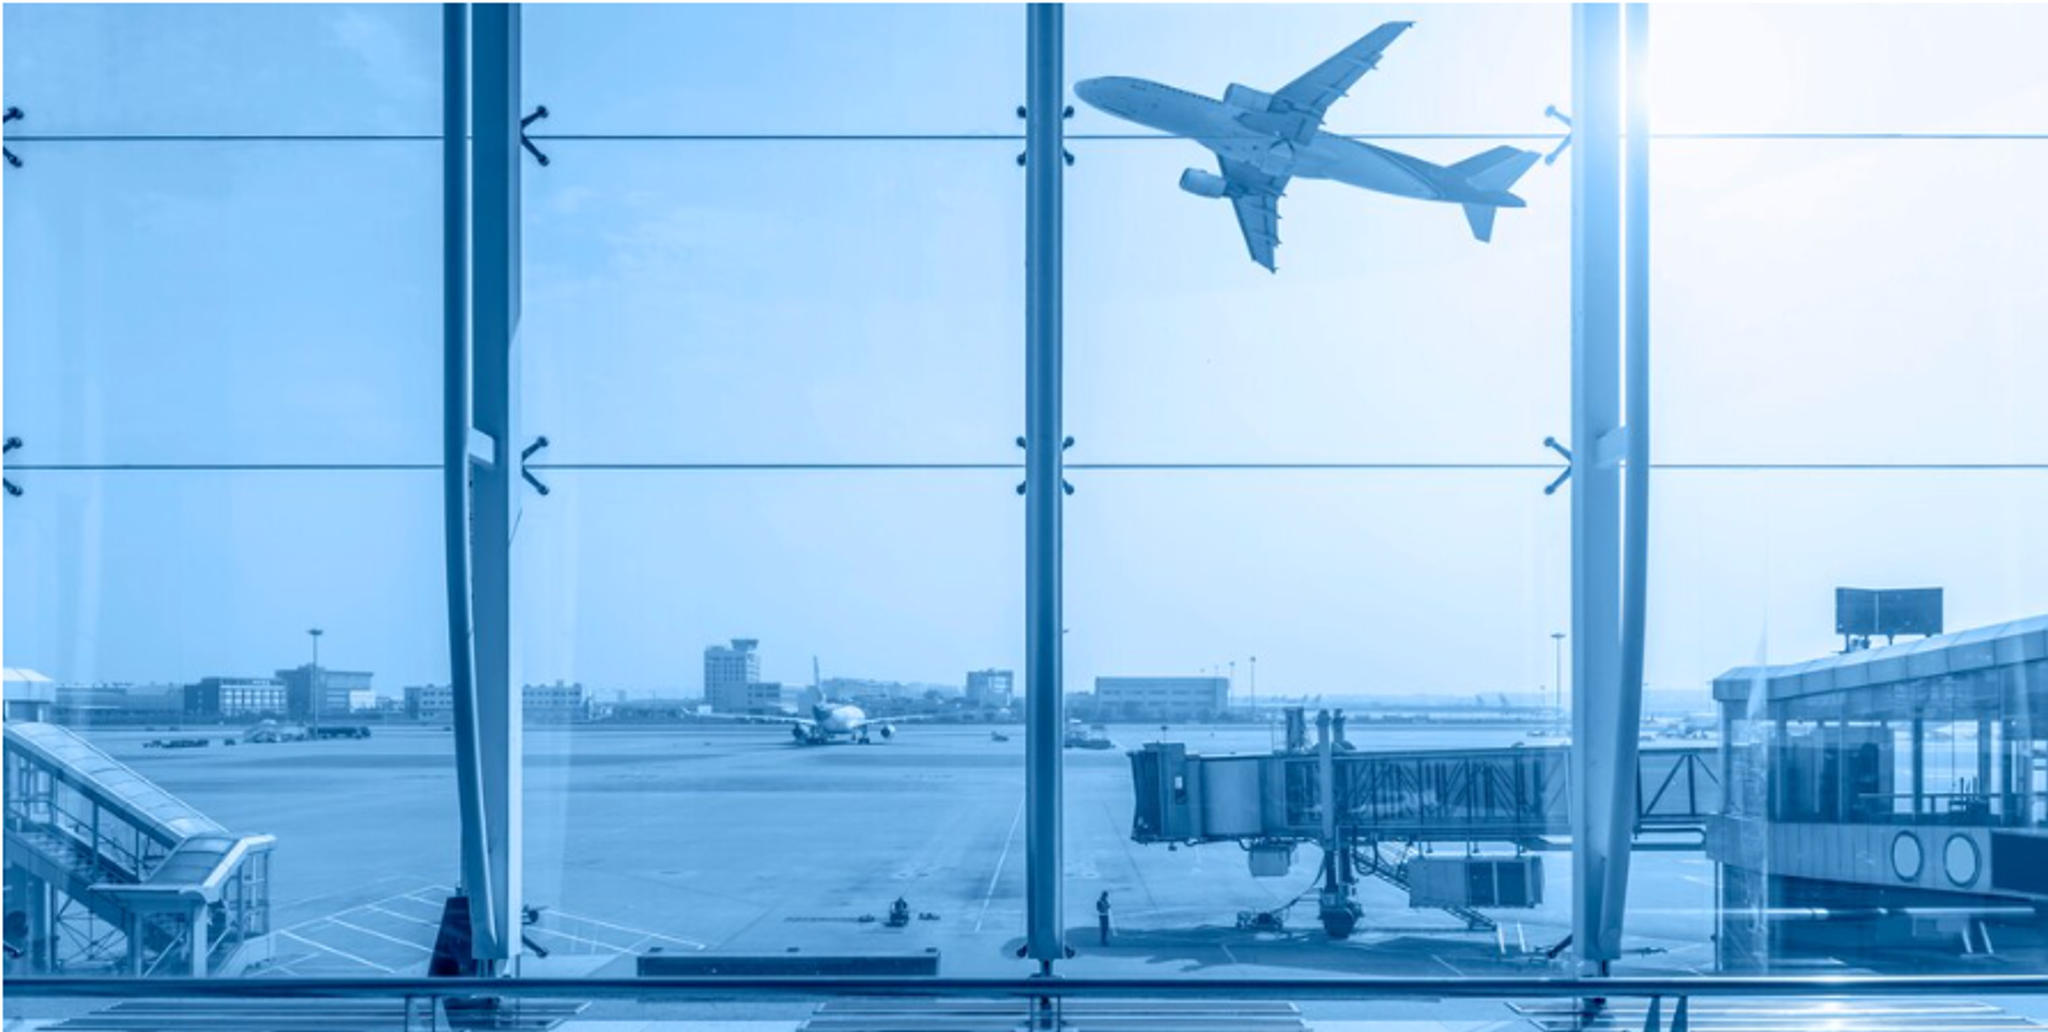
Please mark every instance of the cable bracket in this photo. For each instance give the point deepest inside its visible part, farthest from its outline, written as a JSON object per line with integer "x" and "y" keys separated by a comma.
{"x": 1551, "y": 443}
{"x": 13, "y": 489}
{"x": 527, "y": 453}
{"x": 539, "y": 113}
{"x": 1065, "y": 487}
{"x": 1552, "y": 112}
{"x": 13, "y": 114}
{"x": 1065, "y": 154}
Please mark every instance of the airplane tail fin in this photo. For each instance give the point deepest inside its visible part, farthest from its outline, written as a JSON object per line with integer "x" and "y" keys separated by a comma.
{"x": 1492, "y": 172}
{"x": 1480, "y": 218}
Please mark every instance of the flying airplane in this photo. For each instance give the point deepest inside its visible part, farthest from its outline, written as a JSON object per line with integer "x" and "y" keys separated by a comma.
{"x": 1262, "y": 140}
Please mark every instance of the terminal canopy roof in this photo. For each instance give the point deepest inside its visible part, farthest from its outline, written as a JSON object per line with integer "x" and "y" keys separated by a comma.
{"x": 1973, "y": 668}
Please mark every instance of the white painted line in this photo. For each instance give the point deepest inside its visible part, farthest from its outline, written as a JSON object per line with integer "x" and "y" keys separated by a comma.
{"x": 997, "y": 874}
{"x": 402, "y": 917}
{"x": 692, "y": 943}
{"x": 381, "y": 935}
{"x": 599, "y": 943}
{"x": 329, "y": 949}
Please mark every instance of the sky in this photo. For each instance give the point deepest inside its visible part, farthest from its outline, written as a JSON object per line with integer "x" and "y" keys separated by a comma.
{"x": 1841, "y": 301}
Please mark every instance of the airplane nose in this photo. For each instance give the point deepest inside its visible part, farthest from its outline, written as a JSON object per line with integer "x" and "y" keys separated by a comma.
{"x": 1097, "y": 92}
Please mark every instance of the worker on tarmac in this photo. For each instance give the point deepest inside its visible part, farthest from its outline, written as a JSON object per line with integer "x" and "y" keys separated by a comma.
{"x": 1102, "y": 916}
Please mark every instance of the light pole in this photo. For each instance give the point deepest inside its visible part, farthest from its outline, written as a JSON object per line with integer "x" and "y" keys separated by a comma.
{"x": 1557, "y": 684}
{"x": 1255, "y": 689}
{"x": 315, "y": 633}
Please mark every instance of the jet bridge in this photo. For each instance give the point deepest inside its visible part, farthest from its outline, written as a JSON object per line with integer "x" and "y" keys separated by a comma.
{"x": 107, "y": 871}
{"x": 1389, "y": 805}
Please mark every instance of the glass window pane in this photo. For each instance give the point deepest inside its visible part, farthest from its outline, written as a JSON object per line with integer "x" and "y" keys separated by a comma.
{"x": 1419, "y": 604}
{"x": 294, "y": 69}
{"x": 1848, "y": 301}
{"x": 1389, "y": 334}
{"x": 721, "y": 302}
{"x": 131, "y": 591}
{"x": 776, "y": 68}
{"x": 1871, "y": 68}
{"x": 660, "y": 824}
{"x": 1462, "y": 68}
{"x": 1848, "y": 773}
{"x": 209, "y": 302}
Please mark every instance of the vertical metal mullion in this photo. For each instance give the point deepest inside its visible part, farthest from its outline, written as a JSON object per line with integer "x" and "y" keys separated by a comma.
{"x": 455, "y": 424}
{"x": 1045, "y": 94}
{"x": 494, "y": 380}
{"x": 1603, "y": 751}
{"x": 1636, "y": 345}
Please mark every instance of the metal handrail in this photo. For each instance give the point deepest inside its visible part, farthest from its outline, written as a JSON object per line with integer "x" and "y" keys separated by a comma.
{"x": 674, "y": 989}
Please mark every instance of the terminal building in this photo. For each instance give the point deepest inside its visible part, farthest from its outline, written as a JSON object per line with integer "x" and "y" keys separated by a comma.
{"x": 1161, "y": 698}
{"x": 313, "y": 692}
{"x": 1886, "y": 797}
{"x": 561, "y": 701}
{"x": 991, "y": 689}
{"x": 227, "y": 698}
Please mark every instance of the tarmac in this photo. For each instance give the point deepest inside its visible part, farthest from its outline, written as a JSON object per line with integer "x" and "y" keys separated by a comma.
{"x": 684, "y": 838}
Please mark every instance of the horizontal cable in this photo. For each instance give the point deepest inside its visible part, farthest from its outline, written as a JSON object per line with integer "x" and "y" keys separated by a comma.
{"x": 707, "y": 137}
{"x": 1106, "y": 467}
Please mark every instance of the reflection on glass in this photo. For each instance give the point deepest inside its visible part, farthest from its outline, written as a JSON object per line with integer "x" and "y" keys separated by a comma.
{"x": 204, "y": 689}
{"x": 168, "y": 69}
{"x": 1791, "y": 325}
{"x": 791, "y": 302}
{"x": 794, "y": 706}
{"x": 210, "y": 302}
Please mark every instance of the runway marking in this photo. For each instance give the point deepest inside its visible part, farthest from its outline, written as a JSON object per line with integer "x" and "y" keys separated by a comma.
{"x": 344, "y": 910}
{"x": 601, "y": 944}
{"x": 1453, "y": 967}
{"x": 343, "y": 954}
{"x": 401, "y": 917}
{"x": 997, "y": 875}
{"x": 381, "y": 935}
{"x": 692, "y": 943}
{"x": 330, "y": 895}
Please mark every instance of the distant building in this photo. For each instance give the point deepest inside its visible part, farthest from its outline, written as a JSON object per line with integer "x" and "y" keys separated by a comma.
{"x": 761, "y": 697}
{"x": 227, "y": 698}
{"x": 730, "y": 672}
{"x": 559, "y": 701}
{"x": 29, "y": 695}
{"x": 314, "y": 692}
{"x": 429, "y": 701}
{"x": 990, "y": 689}
{"x": 1161, "y": 698}
{"x": 556, "y": 702}
{"x": 88, "y": 704}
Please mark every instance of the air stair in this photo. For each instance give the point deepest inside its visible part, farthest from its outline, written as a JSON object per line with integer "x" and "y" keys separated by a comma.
{"x": 107, "y": 872}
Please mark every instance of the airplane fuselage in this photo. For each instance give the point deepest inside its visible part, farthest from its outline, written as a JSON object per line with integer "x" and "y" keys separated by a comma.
{"x": 1275, "y": 144}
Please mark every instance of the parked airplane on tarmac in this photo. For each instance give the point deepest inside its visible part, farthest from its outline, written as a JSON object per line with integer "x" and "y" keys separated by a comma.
{"x": 1262, "y": 140}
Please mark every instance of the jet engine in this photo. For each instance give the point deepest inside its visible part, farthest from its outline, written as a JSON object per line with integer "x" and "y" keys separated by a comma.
{"x": 1203, "y": 184}
{"x": 888, "y": 731}
{"x": 1246, "y": 98}
{"x": 797, "y": 732}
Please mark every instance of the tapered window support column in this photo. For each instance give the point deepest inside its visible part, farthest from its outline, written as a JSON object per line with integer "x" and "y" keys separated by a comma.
{"x": 1609, "y": 535}
{"x": 1045, "y": 99}
{"x": 481, "y": 150}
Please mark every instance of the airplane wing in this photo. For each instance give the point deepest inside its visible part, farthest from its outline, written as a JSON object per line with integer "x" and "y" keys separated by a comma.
{"x": 756, "y": 718}
{"x": 1320, "y": 87}
{"x": 1256, "y": 197}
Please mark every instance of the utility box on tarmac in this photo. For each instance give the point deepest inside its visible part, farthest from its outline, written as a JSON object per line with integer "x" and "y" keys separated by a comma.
{"x": 1475, "y": 881}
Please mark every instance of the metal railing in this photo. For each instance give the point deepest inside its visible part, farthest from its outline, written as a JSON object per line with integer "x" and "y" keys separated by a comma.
{"x": 654, "y": 990}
